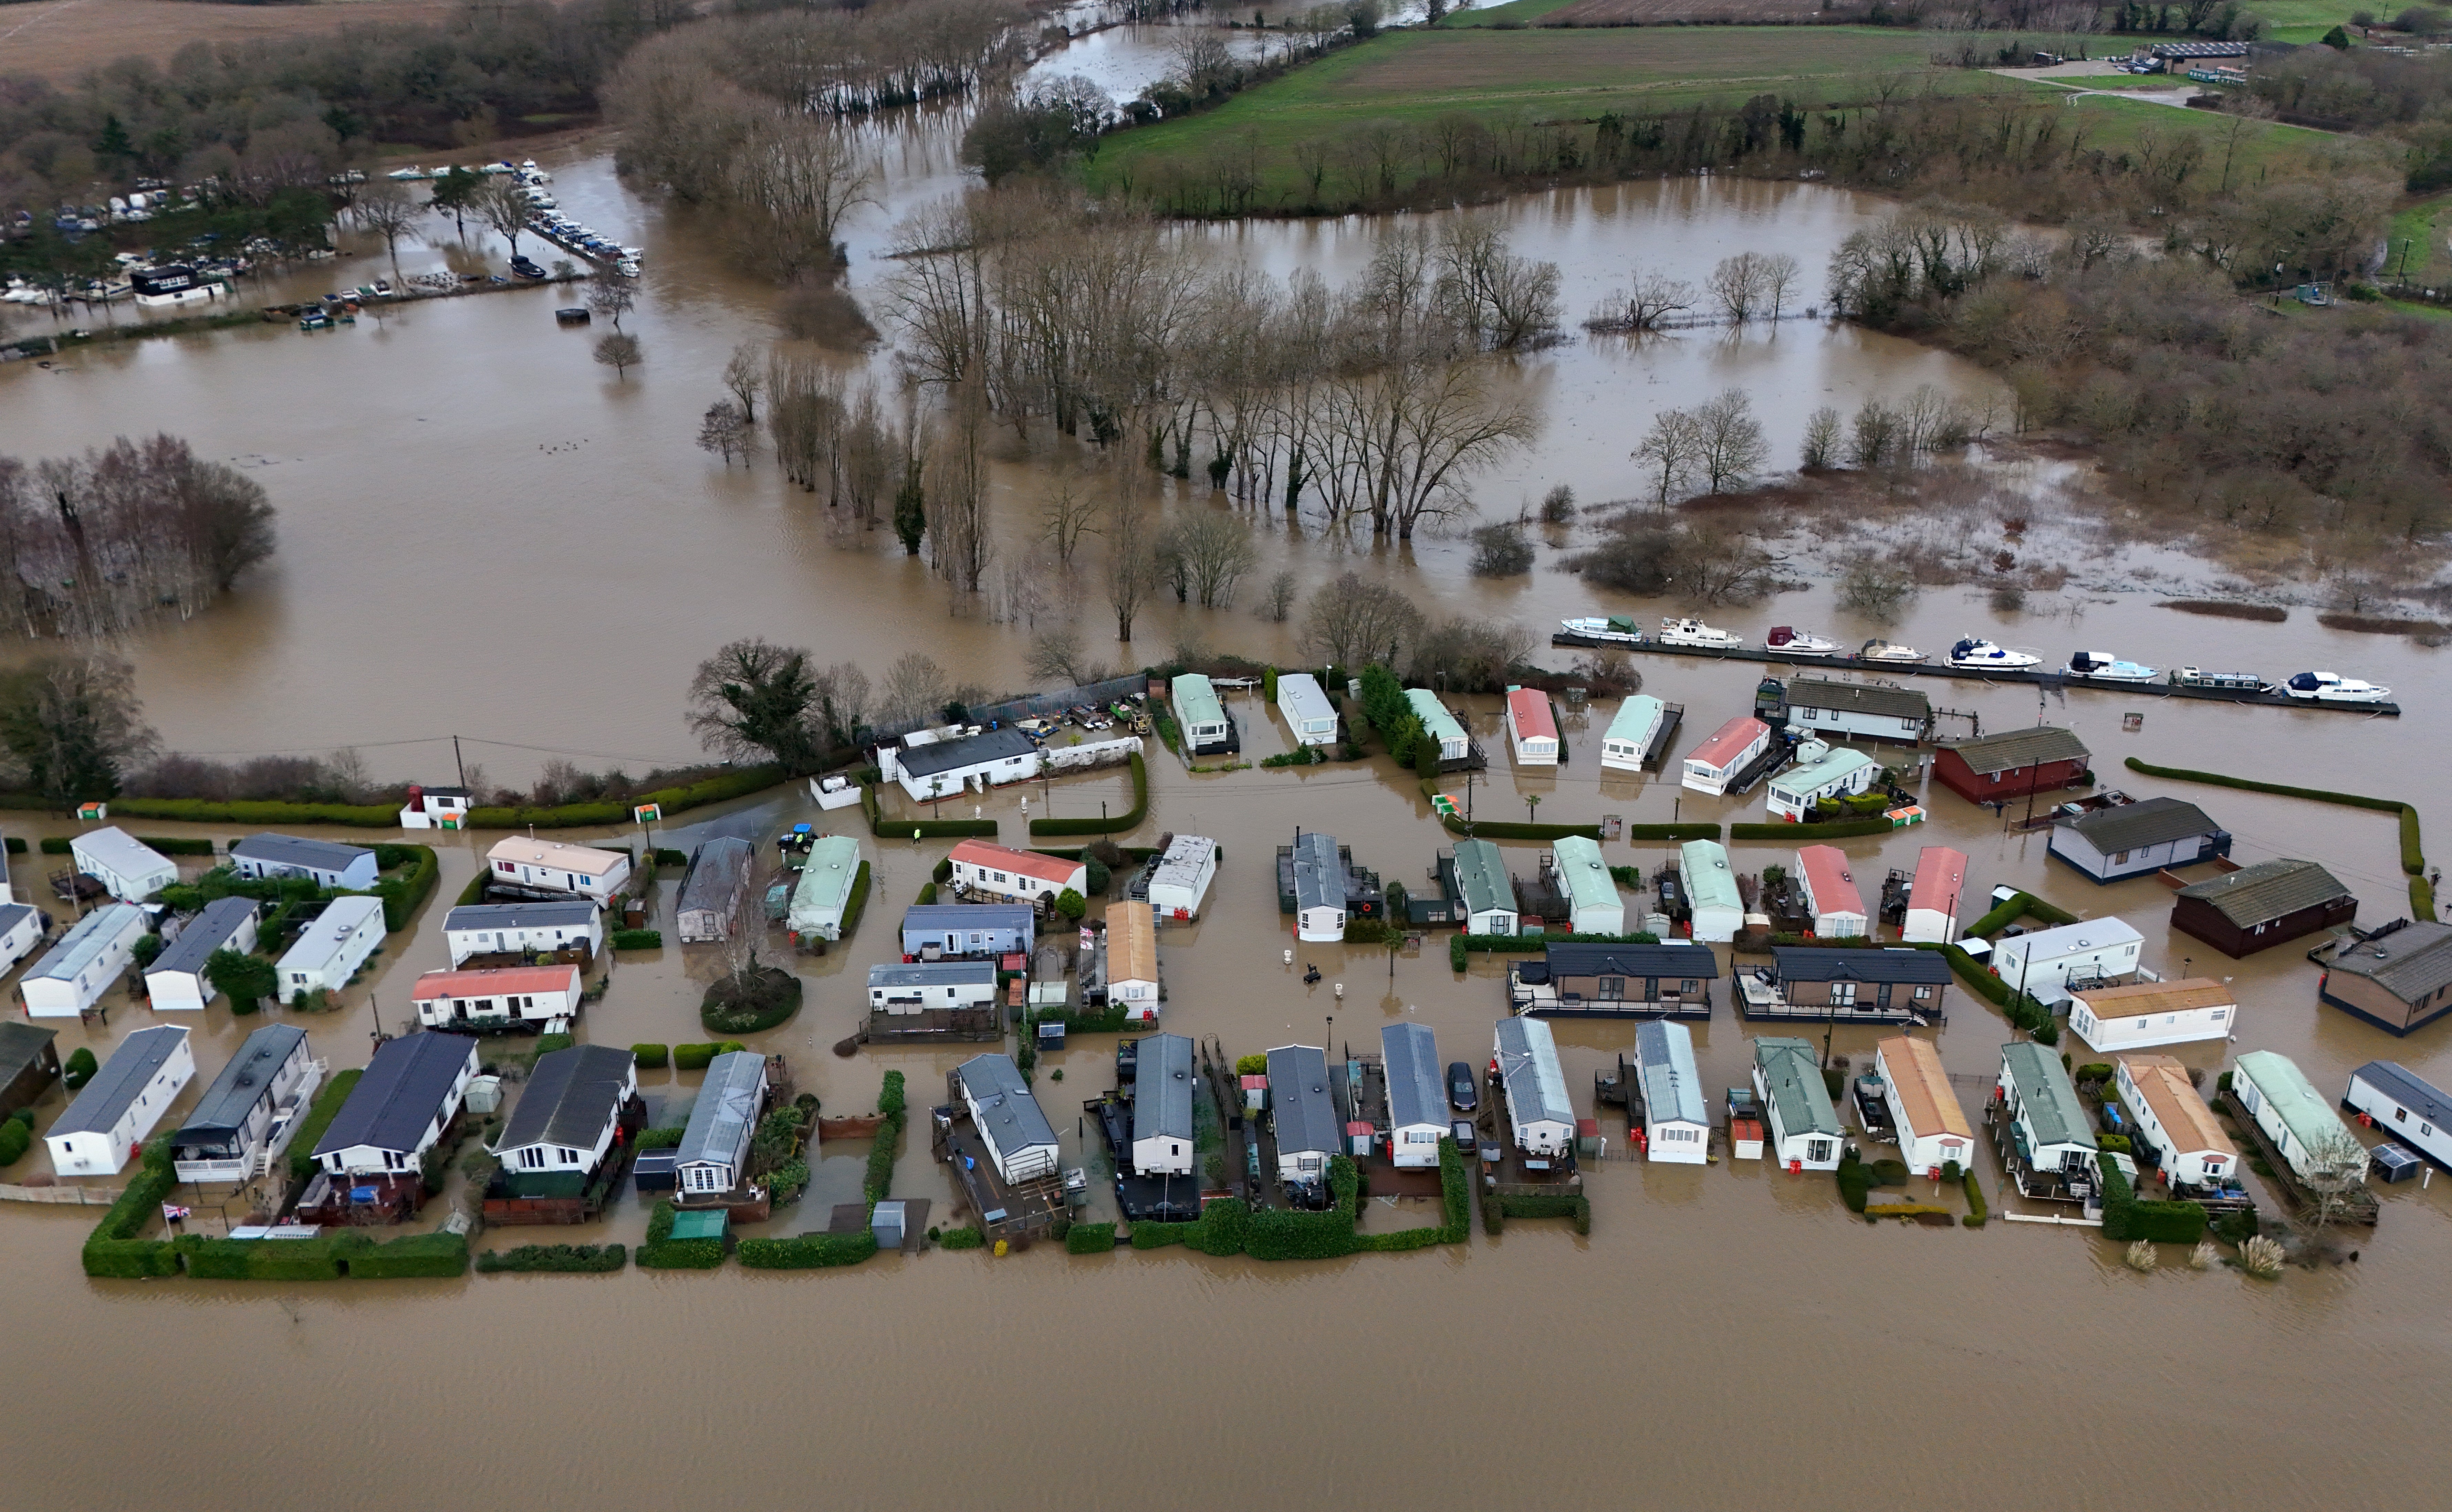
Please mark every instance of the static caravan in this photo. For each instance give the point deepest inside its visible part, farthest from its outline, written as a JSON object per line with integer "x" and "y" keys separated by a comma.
{"x": 1852, "y": 711}
{"x": 1020, "y": 1139}
{"x": 822, "y": 890}
{"x": 929, "y": 768}
{"x": 1319, "y": 888}
{"x": 1440, "y": 726}
{"x": 1676, "y": 1125}
{"x": 1162, "y": 1093}
{"x": 2137, "y": 840}
{"x": 2399, "y": 978}
{"x": 1933, "y": 1124}
{"x": 1831, "y": 892}
{"x": 1179, "y": 883}
{"x": 99, "y": 1134}
{"x": 714, "y": 1153}
{"x": 251, "y": 1108}
{"x": 2148, "y": 1013}
{"x": 2188, "y": 1140}
{"x": 177, "y": 979}
{"x": 1485, "y": 894}
{"x": 1932, "y": 898}
{"x": 967, "y": 931}
{"x": 2405, "y": 1105}
{"x": 709, "y": 909}
{"x": 567, "y": 1120}
{"x": 488, "y": 928}
{"x": 1418, "y": 1107}
{"x": 326, "y": 863}
{"x": 1838, "y": 773}
{"x": 130, "y": 869}
{"x": 917, "y": 987}
{"x": 2312, "y": 1138}
{"x": 505, "y": 996}
{"x": 1022, "y": 875}
{"x": 1303, "y": 1115}
{"x": 400, "y": 1107}
{"x": 2087, "y": 952}
{"x": 1632, "y": 732}
{"x": 1132, "y": 960}
{"x": 1306, "y": 708}
{"x": 1592, "y": 904}
{"x": 329, "y": 950}
{"x": 2258, "y": 906}
{"x": 21, "y": 929}
{"x": 1711, "y": 765}
{"x": 29, "y": 1063}
{"x": 554, "y": 865}
{"x": 1206, "y": 728}
{"x": 1539, "y": 1116}
{"x": 1718, "y": 908}
{"x": 1532, "y": 729}
{"x": 74, "y": 974}
{"x": 2012, "y": 763}
{"x": 2048, "y": 1123}
{"x": 1803, "y": 1126}
{"x": 1581, "y": 979}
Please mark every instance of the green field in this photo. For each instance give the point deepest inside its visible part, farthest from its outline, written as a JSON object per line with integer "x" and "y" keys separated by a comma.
{"x": 2121, "y": 125}
{"x": 2423, "y": 226}
{"x": 1517, "y": 14}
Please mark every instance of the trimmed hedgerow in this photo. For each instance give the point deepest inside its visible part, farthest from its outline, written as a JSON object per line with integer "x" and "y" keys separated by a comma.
{"x": 1824, "y": 830}
{"x": 2126, "y": 1218}
{"x": 652, "y": 1057}
{"x": 1529, "y": 1205}
{"x": 177, "y": 844}
{"x": 716, "y": 789}
{"x": 2021, "y": 1010}
{"x": 637, "y": 939}
{"x": 114, "y": 1250}
{"x": 571, "y": 1259}
{"x": 1976, "y": 1211}
{"x": 207, "y": 811}
{"x": 857, "y": 905}
{"x": 970, "y": 1238}
{"x": 2413, "y": 850}
{"x": 1090, "y": 1239}
{"x": 412, "y": 1255}
{"x": 661, "y": 1251}
{"x": 925, "y": 829}
{"x": 808, "y": 1252}
{"x": 668, "y": 1137}
{"x": 1129, "y": 820}
{"x": 1459, "y": 946}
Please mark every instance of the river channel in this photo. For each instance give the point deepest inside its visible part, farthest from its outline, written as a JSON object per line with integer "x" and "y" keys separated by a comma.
{"x": 483, "y": 533}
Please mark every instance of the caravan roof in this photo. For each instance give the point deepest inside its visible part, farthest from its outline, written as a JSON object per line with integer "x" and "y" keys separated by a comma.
{"x": 1672, "y": 1089}
{"x": 1436, "y": 721}
{"x": 1162, "y": 1088}
{"x": 1583, "y": 874}
{"x": 1793, "y": 1082}
{"x": 719, "y": 1121}
{"x": 1530, "y": 709}
{"x": 1481, "y": 876}
{"x": 1703, "y": 866}
{"x": 1196, "y": 700}
{"x": 84, "y": 942}
{"x": 1528, "y": 1067}
{"x": 1409, "y": 1054}
{"x": 1299, "y": 1101}
{"x": 244, "y": 1082}
{"x": 129, "y": 1071}
{"x": 1635, "y": 719}
{"x": 207, "y": 933}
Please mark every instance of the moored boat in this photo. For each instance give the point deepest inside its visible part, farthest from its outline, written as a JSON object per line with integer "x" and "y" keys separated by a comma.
{"x": 1890, "y": 651}
{"x": 1980, "y": 654}
{"x": 1681, "y": 631}
{"x": 2331, "y": 687}
{"x": 2108, "y": 668}
{"x": 1790, "y": 642}
{"x": 1612, "y": 627}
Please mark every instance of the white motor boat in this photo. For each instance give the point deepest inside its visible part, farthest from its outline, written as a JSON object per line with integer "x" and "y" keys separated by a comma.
{"x": 1790, "y": 642}
{"x": 1675, "y": 631}
{"x": 1615, "y": 627}
{"x": 1985, "y": 656}
{"x": 1890, "y": 651}
{"x": 406, "y": 174}
{"x": 2104, "y": 665}
{"x": 2329, "y": 687}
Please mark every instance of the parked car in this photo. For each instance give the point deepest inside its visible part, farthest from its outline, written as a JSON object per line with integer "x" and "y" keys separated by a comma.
{"x": 1461, "y": 1091}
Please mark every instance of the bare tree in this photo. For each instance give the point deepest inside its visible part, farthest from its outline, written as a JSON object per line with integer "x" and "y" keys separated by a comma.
{"x": 745, "y": 376}
{"x": 839, "y": 702}
{"x": 915, "y": 688}
{"x": 1352, "y": 621}
{"x": 1729, "y": 444}
{"x": 503, "y": 209}
{"x": 1779, "y": 275}
{"x": 723, "y": 430}
{"x": 611, "y": 295}
{"x": 1725, "y": 566}
{"x": 1653, "y": 300}
{"x": 1216, "y": 551}
{"x": 2334, "y": 1171}
{"x": 386, "y": 208}
{"x": 1278, "y": 603}
{"x": 1876, "y": 591}
{"x": 1069, "y": 514}
{"x": 1821, "y": 447}
{"x": 1739, "y": 284}
{"x": 1055, "y": 653}
{"x": 1131, "y": 567}
{"x": 619, "y": 351}
{"x": 958, "y": 492}
{"x": 1669, "y": 452}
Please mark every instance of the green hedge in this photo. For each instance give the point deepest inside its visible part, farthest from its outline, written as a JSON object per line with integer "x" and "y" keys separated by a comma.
{"x": 652, "y": 1057}
{"x": 969, "y": 1238}
{"x": 403, "y": 893}
{"x": 619, "y": 811}
{"x": 1672, "y": 832}
{"x": 637, "y": 939}
{"x": 808, "y": 1252}
{"x": 1129, "y": 820}
{"x": 177, "y": 845}
{"x": 1459, "y": 946}
{"x": 114, "y": 1250}
{"x": 474, "y": 893}
{"x": 576, "y": 1259}
{"x": 1976, "y": 1211}
{"x": 1518, "y": 830}
{"x": 718, "y": 1019}
{"x": 1219, "y": 1229}
{"x": 693, "y": 1057}
{"x": 2021, "y": 905}
{"x": 668, "y": 1137}
{"x": 1455, "y": 1196}
{"x": 2126, "y": 1218}
{"x": 2024, "y": 1011}
{"x": 207, "y": 811}
{"x": 319, "y": 1117}
{"x": 436, "y": 1255}
{"x": 925, "y": 829}
{"x": 927, "y": 894}
{"x": 1090, "y": 1239}
{"x": 351, "y": 1253}
{"x": 2413, "y": 850}
{"x": 1825, "y": 830}
{"x": 858, "y": 905}
{"x": 55, "y": 845}
{"x": 1527, "y": 1204}
{"x": 661, "y": 1251}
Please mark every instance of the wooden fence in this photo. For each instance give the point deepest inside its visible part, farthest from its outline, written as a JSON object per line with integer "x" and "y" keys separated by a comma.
{"x": 79, "y": 1196}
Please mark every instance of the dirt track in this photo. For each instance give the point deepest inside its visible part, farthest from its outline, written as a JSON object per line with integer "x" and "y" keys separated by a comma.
{"x": 60, "y": 39}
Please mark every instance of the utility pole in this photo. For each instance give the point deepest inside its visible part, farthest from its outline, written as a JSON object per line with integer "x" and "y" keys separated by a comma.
{"x": 462, "y": 767}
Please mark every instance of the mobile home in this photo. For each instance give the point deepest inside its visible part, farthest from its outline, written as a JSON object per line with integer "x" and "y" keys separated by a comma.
{"x": 74, "y": 974}
{"x": 1440, "y": 726}
{"x": 177, "y": 980}
{"x": 2049, "y": 1125}
{"x": 709, "y": 909}
{"x": 555, "y": 866}
{"x": 129, "y": 867}
{"x": 1418, "y": 1107}
{"x": 1539, "y": 1116}
{"x": 2303, "y": 1125}
{"x": 1838, "y": 773}
{"x": 1179, "y": 883}
{"x": 1676, "y": 1123}
{"x": 1718, "y": 908}
{"x": 21, "y": 928}
{"x": 566, "y": 1121}
{"x": 29, "y": 1063}
{"x": 1711, "y": 765}
{"x": 1306, "y": 708}
{"x": 1022, "y": 875}
{"x": 2261, "y": 906}
{"x": 490, "y": 929}
{"x": 400, "y": 1107}
{"x": 2399, "y": 978}
{"x": 714, "y": 1153}
{"x": 2406, "y": 1106}
{"x": 1830, "y": 894}
{"x": 1857, "y": 711}
{"x": 929, "y": 768}
{"x": 1932, "y": 898}
{"x": 1485, "y": 894}
{"x": 918, "y": 987}
{"x": 1206, "y": 728}
{"x": 974, "y": 930}
{"x": 1319, "y": 888}
{"x": 2188, "y": 1140}
{"x": 506, "y": 996}
{"x": 2147, "y": 1013}
{"x": 1594, "y": 906}
{"x": 329, "y": 950}
{"x": 1162, "y": 1093}
{"x": 1303, "y": 1115}
{"x": 1532, "y": 729}
{"x": 250, "y": 1109}
{"x": 1803, "y": 1126}
{"x": 99, "y": 1134}
{"x": 2089, "y": 951}
{"x": 1931, "y": 1123}
{"x": 2137, "y": 840}
{"x": 1132, "y": 960}
{"x": 1639, "y": 725}
{"x": 326, "y": 863}
{"x": 822, "y": 893}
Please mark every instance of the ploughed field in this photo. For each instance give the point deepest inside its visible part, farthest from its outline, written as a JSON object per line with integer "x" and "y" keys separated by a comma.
{"x": 60, "y": 39}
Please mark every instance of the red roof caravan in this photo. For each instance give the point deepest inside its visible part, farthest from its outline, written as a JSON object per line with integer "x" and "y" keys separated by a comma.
{"x": 1932, "y": 902}
{"x": 1830, "y": 891}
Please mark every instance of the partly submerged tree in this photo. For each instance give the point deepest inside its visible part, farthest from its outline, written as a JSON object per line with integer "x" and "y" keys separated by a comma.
{"x": 753, "y": 697}
{"x": 73, "y": 724}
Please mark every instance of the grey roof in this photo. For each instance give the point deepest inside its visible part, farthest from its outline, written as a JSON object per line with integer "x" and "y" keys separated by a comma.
{"x": 932, "y": 973}
{"x": 982, "y": 749}
{"x": 120, "y": 851}
{"x": 2051, "y": 1105}
{"x": 1861, "y": 697}
{"x": 244, "y": 1082}
{"x": 1528, "y": 1069}
{"x": 2025, "y": 746}
{"x": 719, "y": 869}
{"x": 2135, "y": 826}
{"x": 571, "y": 1096}
{"x": 293, "y": 849}
{"x": 208, "y": 931}
{"x": 2406, "y": 1088}
{"x": 403, "y": 1087}
{"x": 1793, "y": 1082}
{"x": 11, "y": 915}
{"x": 520, "y": 915}
{"x": 1299, "y": 1100}
{"x": 2268, "y": 890}
{"x": 1319, "y": 875}
{"x": 21, "y": 1045}
{"x": 1813, "y": 963}
{"x": 116, "y": 1084}
{"x": 84, "y": 940}
{"x": 968, "y": 916}
{"x": 1410, "y": 1054}
{"x": 1181, "y": 864}
{"x": 2408, "y": 961}
{"x": 1481, "y": 876}
{"x": 1010, "y": 1119}
{"x": 1672, "y": 1088}
{"x": 1162, "y": 1088}
{"x": 1679, "y": 960}
{"x": 727, "y": 1103}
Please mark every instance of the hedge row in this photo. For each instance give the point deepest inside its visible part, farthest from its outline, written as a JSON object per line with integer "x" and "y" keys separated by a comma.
{"x": 404, "y": 893}
{"x": 209, "y": 811}
{"x": 696, "y": 1057}
{"x": 1672, "y": 832}
{"x": 971, "y": 1237}
{"x": 1459, "y": 946}
{"x": 2413, "y": 850}
{"x": 858, "y": 905}
{"x": 637, "y": 939}
{"x": 668, "y": 1137}
{"x": 319, "y": 1117}
{"x": 1821, "y": 829}
{"x": 1516, "y": 830}
{"x": 879, "y": 1182}
{"x": 1130, "y": 819}
{"x": 1227, "y": 1225}
{"x": 2126, "y": 1218}
{"x": 2019, "y": 1009}
{"x": 1455, "y": 1198}
{"x": 113, "y": 1249}
{"x": 2021, "y": 905}
{"x": 808, "y": 1252}
{"x": 616, "y": 812}
{"x": 661, "y": 1251}
{"x": 569, "y": 1258}
{"x": 178, "y": 845}
{"x": 1217, "y": 1231}
{"x": 1976, "y": 1211}
{"x": 924, "y": 829}
{"x": 1530, "y": 1204}
{"x": 1090, "y": 1239}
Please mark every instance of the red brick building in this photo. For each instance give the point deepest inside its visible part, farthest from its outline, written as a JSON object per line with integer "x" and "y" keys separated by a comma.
{"x": 2012, "y": 763}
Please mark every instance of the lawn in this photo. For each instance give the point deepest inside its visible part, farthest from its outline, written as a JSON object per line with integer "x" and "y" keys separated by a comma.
{"x": 2115, "y": 125}
{"x": 2417, "y": 236}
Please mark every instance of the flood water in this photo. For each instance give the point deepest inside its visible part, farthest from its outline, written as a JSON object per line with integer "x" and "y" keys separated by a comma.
{"x": 484, "y": 534}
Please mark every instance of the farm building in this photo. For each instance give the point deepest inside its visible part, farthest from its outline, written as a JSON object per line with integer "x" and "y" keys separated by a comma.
{"x": 331, "y": 947}
{"x": 1485, "y": 894}
{"x": 2137, "y": 840}
{"x": 917, "y": 987}
{"x": 1539, "y": 1116}
{"x": 1319, "y": 870}
{"x": 1597, "y": 980}
{"x": 250, "y": 1109}
{"x": 953, "y": 931}
{"x": 2012, "y": 763}
{"x": 538, "y": 997}
{"x": 326, "y": 863}
{"x": 1676, "y": 1123}
{"x": 1132, "y": 960}
{"x": 1866, "y": 710}
{"x": 99, "y": 1134}
{"x": 2312, "y": 1137}
{"x": 1711, "y": 765}
{"x": 2049, "y": 1125}
{"x": 1837, "y": 772}
{"x": 408, "y": 1095}
{"x": 2144, "y": 1014}
{"x": 1179, "y": 884}
{"x": 2398, "y": 978}
{"x": 714, "y": 1153}
{"x": 821, "y": 893}
{"x": 21, "y": 929}
{"x": 2405, "y": 1105}
{"x": 1718, "y": 909}
{"x": 177, "y": 979}
{"x": 486, "y": 929}
{"x": 1532, "y": 729}
{"x": 1830, "y": 894}
{"x": 74, "y": 974}
{"x": 566, "y": 1120}
{"x": 2256, "y": 906}
{"x": 1803, "y": 1126}
{"x": 1440, "y": 726}
{"x": 1418, "y": 1107}
{"x": 1932, "y": 899}
{"x": 1933, "y": 1126}
{"x": 1637, "y": 730}
{"x": 2186, "y": 1139}
{"x": 1015, "y": 1129}
{"x": 29, "y": 1063}
{"x": 1206, "y": 727}
{"x": 432, "y": 808}
{"x": 1306, "y": 708}
{"x": 555, "y": 866}
{"x": 1594, "y": 906}
{"x": 1023, "y": 876}
{"x": 2051, "y": 964}
{"x": 1848, "y": 985}
{"x": 1304, "y": 1116}
{"x": 928, "y": 768}
{"x": 131, "y": 870}
{"x": 1162, "y": 1094}
{"x": 709, "y": 909}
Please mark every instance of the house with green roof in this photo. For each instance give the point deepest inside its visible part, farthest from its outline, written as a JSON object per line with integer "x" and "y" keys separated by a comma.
{"x": 1206, "y": 729}
{"x": 1437, "y": 723}
{"x": 1717, "y": 908}
{"x": 1788, "y": 1085}
{"x": 1481, "y": 896}
{"x": 2296, "y": 1117}
{"x": 2050, "y": 1142}
{"x": 1592, "y": 904}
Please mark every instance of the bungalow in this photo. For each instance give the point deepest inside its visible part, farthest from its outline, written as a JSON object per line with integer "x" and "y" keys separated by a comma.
{"x": 1179, "y": 884}
{"x": 2406, "y": 1106}
{"x": 1162, "y": 1093}
{"x": 1592, "y": 904}
{"x": 934, "y": 932}
{"x": 488, "y": 928}
{"x": 326, "y": 863}
{"x": 21, "y": 928}
{"x": 99, "y": 1134}
{"x": 1716, "y": 907}
{"x": 2256, "y": 906}
{"x": 1836, "y": 773}
{"x": 1023, "y": 876}
{"x": 1303, "y": 1116}
{"x": 2051, "y": 964}
{"x": 1711, "y": 765}
{"x": 1532, "y": 729}
{"x": 1857, "y": 711}
{"x": 1830, "y": 894}
{"x": 74, "y": 974}
{"x": 29, "y": 1062}
{"x": 2310, "y": 1136}
{"x": 567, "y": 1120}
{"x": 408, "y": 1095}
{"x": 1676, "y": 1126}
{"x": 131, "y": 870}
{"x": 2135, "y": 839}
{"x": 1132, "y": 960}
{"x": 2398, "y": 978}
{"x": 1306, "y": 708}
{"x": 1540, "y": 1117}
{"x": 709, "y": 909}
{"x": 505, "y": 996}
{"x": 2012, "y": 763}
{"x": 2048, "y": 1124}
{"x": 1206, "y": 728}
{"x": 2175, "y": 1128}
{"x": 1933, "y": 1126}
{"x": 177, "y": 980}
{"x": 555, "y": 866}
{"x": 249, "y": 1112}
{"x": 1485, "y": 894}
{"x": 1440, "y": 725}
{"x": 930, "y": 768}
{"x": 714, "y": 1153}
{"x": 917, "y": 987}
{"x": 1641, "y": 724}
{"x": 1418, "y": 1104}
{"x": 329, "y": 950}
{"x": 1932, "y": 898}
{"x": 1845, "y": 985}
{"x": 1315, "y": 871}
{"x": 1019, "y": 1140}
{"x": 431, "y": 808}
{"x": 2145, "y": 1015}
{"x": 1803, "y": 1126}
{"x": 1579, "y": 980}
{"x": 822, "y": 890}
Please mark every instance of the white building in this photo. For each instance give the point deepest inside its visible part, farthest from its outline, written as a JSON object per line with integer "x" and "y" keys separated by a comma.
{"x": 2052, "y": 1133}
{"x": 1306, "y": 709}
{"x": 2188, "y": 1141}
{"x": 1540, "y": 1118}
{"x": 2137, "y": 840}
{"x": 1132, "y": 960}
{"x": 1179, "y": 883}
{"x": 1836, "y": 773}
{"x": 329, "y": 950}
{"x": 2406, "y": 1106}
{"x": 1440, "y": 726}
{"x": 714, "y": 1151}
{"x": 552, "y": 866}
{"x": 1932, "y": 898}
{"x": 1318, "y": 888}
{"x": 1803, "y": 1126}
{"x": 488, "y": 929}
{"x": 1632, "y": 731}
{"x": 2148, "y": 1013}
{"x": 435, "y": 809}
{"x": 77, "y": 970}
{"x": 1303, "y": 1114}
{"x": 2043, "y": 963}
{"x": 1831, "y": 892}
{"x": 1932, "y": 1125}
{"x": 400, "y": 1107}
{"x": 326, "y": 863}
{"x": 2293, "y": 1114}
{"x": 1023, "y": 876}
{"x": 1734, "y": 746}
{"x": 709, "y": 908}
{"x": 1593, "y": 905}
{"x": 1021, "y": 1142}
{"x": 250, "y": 1109}
{"x": 99, "y": 1134}
{"x": 1718, "y": 909}
{"x": 21, "y": 929}
{"x": 177, "y": 980}
{"x": 822, "y": 890}
{"x": 929, "y": 768}
{"x": 1676, "y": 1122}
{"x": 919, "y": 987}
{"x": 1532, "y": 729}
{"x": 1162, "y": 1093}
{"x": 1870, "y": 711}
{"x": 1418, "y": 1107}
{"x": 569, "y": 1115}
{"x": 522, "y": 996}
{"x": 129, "y": 867}
{"x": 1484, "y": 901}
{"x": 1206, "y": 728}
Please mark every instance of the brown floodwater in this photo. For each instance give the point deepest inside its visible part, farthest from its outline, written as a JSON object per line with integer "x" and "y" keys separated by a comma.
{"x": 483, "y": 533}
